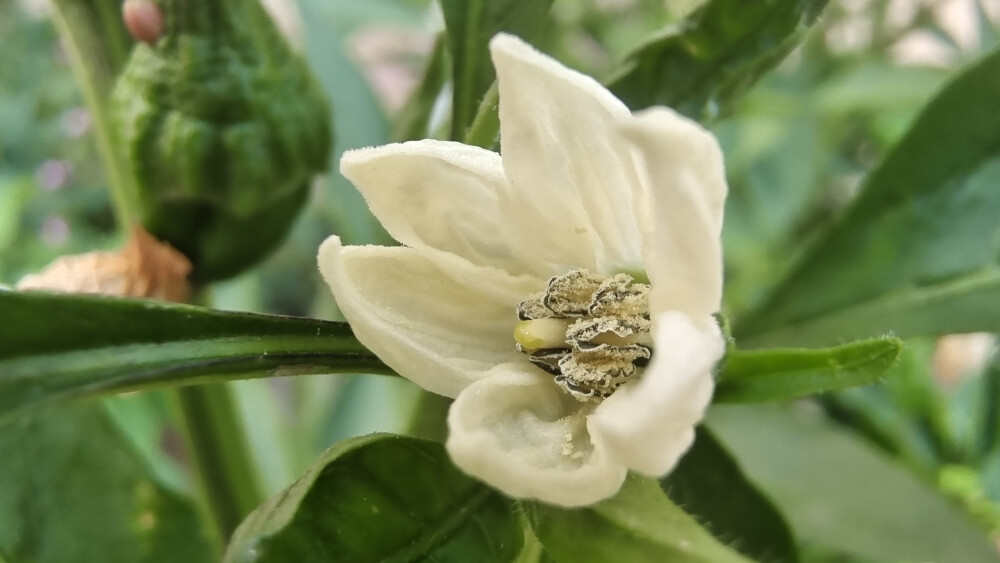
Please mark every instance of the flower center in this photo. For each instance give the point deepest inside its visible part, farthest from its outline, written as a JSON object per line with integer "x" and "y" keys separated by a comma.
{"x": 590, "y": 332}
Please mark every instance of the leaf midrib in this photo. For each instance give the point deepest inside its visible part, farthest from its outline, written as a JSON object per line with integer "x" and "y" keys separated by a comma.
{"x": 422, "y": 545}
{"x": 849, "y": 365}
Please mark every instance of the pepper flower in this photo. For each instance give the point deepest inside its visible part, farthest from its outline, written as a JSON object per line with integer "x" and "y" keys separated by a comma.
{"x": 563, "y": 293}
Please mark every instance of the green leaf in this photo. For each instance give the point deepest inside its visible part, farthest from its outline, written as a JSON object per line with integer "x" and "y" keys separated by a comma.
{"x": 470, "y": 24}
{"x": 749, "y": 376}
{"x": 841, "y": 492}
{"x": 710, "y": 486}
{"x": 73, "y": 490}
{"x": 905, "y": 414}
{"x": 917, "y": 251}
{"x": 702, "y": 65}
{"x": 639, "y": 524}
{"x": 56, "y": 346}
{"x": 381, "y": 498}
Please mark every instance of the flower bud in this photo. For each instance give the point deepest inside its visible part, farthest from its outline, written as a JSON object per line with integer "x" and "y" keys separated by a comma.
{"x": 224, "y": 127}
{"x": 143, "y": 19}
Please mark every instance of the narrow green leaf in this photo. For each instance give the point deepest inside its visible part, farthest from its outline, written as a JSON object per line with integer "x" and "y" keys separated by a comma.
{"x": 381, "y": 498}
{"x": 73, "y": 490}
{"x": 917, "y": 251}
{"x": 55, "y": 346}
{"x": 702, "y": 65}
{"x": 841, "y": 492}
{"x": 749, "y": 376}
{"x": 470, "y": 25}
{"x": 640, "y": 524}
{"x": 710, "y": 486}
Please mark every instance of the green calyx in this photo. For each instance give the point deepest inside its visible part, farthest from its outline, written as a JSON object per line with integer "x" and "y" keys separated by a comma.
{"x": 224, "y": 126}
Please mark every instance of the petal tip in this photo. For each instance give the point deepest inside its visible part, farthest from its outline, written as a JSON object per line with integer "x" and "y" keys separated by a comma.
{"x": 352, "y": 157}
{"x": 328, "y": 256}
{"x": 507, "y": 43}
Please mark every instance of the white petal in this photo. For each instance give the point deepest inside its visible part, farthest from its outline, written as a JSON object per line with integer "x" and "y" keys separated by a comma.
{"x": 439, "y": 323}
{"x": 570, "y": 168}
{"x": 440, "y": 195}
{"x": 516, "y": 430}
{"x": 649, "y": 423}
{"x": 682, "y": 168}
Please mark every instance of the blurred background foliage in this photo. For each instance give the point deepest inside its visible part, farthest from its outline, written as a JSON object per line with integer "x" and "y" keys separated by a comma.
{"x": 797, "y": 147}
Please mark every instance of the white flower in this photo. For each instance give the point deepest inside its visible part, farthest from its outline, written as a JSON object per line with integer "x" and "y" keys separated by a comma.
{"x": 584, "y": 190}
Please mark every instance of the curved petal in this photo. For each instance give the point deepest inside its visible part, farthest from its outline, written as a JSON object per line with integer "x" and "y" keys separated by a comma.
{"x": 649, "y": 424}
{"x": 570, "y": 169}
{"x": 440, "y": 195}
{"x": 681, "y": 166}
{"x": 516, "y": 430}
{"x": 440, "y": 324}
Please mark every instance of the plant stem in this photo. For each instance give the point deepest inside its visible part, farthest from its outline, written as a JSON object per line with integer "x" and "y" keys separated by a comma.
{"x": 220, "y": 454}
{"x": 96, "y": 47}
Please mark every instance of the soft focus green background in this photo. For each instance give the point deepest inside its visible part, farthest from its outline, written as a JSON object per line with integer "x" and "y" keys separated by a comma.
{"x": 797, "y": 147}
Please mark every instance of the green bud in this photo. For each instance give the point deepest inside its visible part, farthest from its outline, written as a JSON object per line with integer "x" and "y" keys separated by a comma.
{"x": 224, "y": 126}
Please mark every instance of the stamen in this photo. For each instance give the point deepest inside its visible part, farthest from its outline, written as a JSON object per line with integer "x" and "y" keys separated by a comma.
{"x": 570, "y": 295}
{"x": 590, "y": 332}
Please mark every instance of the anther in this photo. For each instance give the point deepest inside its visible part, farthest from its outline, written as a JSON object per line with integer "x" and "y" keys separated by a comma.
{"x": 591, "y": 333}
